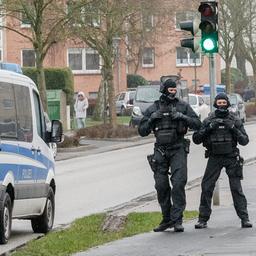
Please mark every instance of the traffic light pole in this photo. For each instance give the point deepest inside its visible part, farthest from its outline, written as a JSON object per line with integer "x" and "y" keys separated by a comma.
{"x": 212, "y": 78}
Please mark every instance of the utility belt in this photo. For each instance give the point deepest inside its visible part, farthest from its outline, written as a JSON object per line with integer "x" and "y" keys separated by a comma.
{"x": 162, "y": 150}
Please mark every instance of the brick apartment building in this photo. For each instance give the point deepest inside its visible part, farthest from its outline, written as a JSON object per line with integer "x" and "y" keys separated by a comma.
{"x": 162, "y": 58}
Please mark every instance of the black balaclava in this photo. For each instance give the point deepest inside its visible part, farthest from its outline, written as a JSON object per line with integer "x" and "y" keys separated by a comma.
{"x": 221, "y": 111}
{"x": 169, "y": 83}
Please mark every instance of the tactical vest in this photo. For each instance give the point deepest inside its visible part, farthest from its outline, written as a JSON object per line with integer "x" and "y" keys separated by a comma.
{"x": 221, "y": 140}
{"x": 168, "y": 131}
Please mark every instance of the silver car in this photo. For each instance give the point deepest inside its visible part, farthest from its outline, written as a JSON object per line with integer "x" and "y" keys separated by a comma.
{"x": 124, "y": 102}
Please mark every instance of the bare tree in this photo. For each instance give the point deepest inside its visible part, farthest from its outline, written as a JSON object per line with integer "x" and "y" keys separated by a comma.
{"x": 248, "y": 43}
{"x": 46, "y": 19}
{"x": 100, "y": 24}
{"x": 231, "y": 25}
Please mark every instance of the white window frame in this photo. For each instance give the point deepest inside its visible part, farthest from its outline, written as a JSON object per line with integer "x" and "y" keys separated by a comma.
{"x": 84, "y": 70}
{"x": 189, "y": 63}
{"x": 22, "y": 57}
{"x": 153, "y": 58}
{"x": 24, "y": 25}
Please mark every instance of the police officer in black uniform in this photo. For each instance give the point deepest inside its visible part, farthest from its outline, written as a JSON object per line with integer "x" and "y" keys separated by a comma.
{"x": 220, "y": 133}
{"x": 169, "y": 118}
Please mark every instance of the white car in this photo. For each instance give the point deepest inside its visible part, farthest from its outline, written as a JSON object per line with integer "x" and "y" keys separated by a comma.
{"x": 198, "y": 105}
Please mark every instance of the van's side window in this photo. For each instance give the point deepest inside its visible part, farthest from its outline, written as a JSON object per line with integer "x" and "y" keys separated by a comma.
{"x": 8, "y": 115}
{"x": 39, "y": 117}
{"x": 24, "y": 113}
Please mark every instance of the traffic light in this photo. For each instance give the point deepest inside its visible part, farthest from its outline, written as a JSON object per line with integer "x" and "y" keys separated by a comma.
{"x": 209, "y": 26}
{"x": 192, "y": 26}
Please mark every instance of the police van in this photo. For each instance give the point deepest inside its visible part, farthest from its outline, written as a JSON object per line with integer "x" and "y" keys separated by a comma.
{"x": 27, "y": 181}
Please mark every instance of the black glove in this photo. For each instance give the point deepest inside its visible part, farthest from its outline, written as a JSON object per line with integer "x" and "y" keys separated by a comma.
{"x": 212, "y": 125}
{"x": 155, "y": 116}
{"x": 175, "y": 115}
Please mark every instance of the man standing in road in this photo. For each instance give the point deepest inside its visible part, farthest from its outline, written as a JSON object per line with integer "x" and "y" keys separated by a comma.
{"x": 220, "y": 133}
{"x": 169, "y": 118}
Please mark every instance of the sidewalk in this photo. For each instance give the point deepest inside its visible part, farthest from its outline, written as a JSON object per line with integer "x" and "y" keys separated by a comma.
{"x": 224, "y": 235}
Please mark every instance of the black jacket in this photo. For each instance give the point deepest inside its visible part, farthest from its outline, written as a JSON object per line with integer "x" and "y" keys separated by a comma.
{"x": 192, "y": 121}
{"x": 239, "y": 134}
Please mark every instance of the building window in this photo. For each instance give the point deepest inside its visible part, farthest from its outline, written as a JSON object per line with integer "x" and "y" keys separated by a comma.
{"x": 183, "y": 84}
{"x": 92, "y": 60}
{"x": 148, "y": 58}
{"x": 25, "y": 22}
{"x": 28, "y": 58}
{"x": 75, "y": 59}
{"x": 197, "y": 82}
{"x": 183, "y": 16}
{"x": 82, "y": 60}
{"x": 93, "y": 95}
{"x": 148, "y": 22}
{"x": 185, "y": 57}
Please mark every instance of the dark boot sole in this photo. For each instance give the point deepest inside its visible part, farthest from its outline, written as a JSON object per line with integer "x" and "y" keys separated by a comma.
{"x": 200, "y": 227}
{"x": 179, "y": 230}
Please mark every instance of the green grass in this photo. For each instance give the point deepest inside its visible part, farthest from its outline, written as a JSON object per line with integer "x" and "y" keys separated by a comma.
{"x": 86, "y": 232}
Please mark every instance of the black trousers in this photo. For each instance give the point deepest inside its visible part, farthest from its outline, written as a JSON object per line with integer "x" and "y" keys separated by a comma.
{"x": 211, "y": 175}
{"x": 172, "y": 199}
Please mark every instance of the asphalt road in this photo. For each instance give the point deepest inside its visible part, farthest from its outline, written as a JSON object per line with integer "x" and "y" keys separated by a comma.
{"x": 96, "y": 182}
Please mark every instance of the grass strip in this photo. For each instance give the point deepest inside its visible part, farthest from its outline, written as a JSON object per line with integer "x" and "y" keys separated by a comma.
{"x": 86, "y": 233}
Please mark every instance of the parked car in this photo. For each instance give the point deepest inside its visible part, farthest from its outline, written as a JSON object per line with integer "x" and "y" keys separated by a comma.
{"x": 27, "y": 180}
{"x": 237, "y": 106}
{"x": 199, "y": 106}
{"x": 124, "y": 102}
{"x": 145, "y": 96}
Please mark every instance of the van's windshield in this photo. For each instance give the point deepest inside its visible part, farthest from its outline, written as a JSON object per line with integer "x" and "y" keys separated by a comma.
{"x": 147, "y": 94}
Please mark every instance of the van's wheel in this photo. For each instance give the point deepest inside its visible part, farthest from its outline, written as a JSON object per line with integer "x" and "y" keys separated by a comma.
{"x": 44, "y": 223}
{"x": 5, "y": 219}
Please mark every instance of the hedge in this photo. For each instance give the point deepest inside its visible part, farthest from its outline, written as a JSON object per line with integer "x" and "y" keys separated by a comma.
{"x": 135, "y": 80}
{"x": 55, "y": 78}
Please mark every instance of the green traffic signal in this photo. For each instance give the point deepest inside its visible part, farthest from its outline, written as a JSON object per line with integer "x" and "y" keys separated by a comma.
{"x": 209, "y": 43}
{"x": 209, "y": 26}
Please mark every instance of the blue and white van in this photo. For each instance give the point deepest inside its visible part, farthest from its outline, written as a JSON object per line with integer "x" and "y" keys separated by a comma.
{"x": 27, "y": 181}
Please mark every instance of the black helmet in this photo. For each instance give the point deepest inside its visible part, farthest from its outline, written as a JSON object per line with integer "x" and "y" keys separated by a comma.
{"x": 169, "y": 83}
{"x": 221, "y": 96}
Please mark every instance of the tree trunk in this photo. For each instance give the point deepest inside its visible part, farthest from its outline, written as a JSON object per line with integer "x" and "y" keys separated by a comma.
{"x": 41, "y": 80}
{"x": 228, "y": 77}
{"x": 108, "y": 78}
{"x": 240, "y": 63}
{"x": 99, "y": 108}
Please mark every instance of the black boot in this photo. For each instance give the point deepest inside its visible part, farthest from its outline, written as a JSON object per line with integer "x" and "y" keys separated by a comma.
{"x": 246, "y": 224}
{"x": 178, "y": 227}
{"x": 201, "y": 224}
{"x": 164, "y": 224}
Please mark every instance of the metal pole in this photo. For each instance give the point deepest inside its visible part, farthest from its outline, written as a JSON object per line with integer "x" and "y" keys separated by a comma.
{"x": 212, "y": 76}
{"x": 105, "y": 103}
{"x": 195, "y": 74}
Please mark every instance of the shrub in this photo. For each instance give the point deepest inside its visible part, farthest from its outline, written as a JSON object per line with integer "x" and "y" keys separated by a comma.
{"x": 135, "y": 80}
{"x": 107, "y": 131}
{"x": 55, "y": 78}
{"x": 69, "y": 141}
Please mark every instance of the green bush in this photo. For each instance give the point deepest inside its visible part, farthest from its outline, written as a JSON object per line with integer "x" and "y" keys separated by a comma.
{"x": 135, "y": 80}
{"x": 55, "y": 78}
